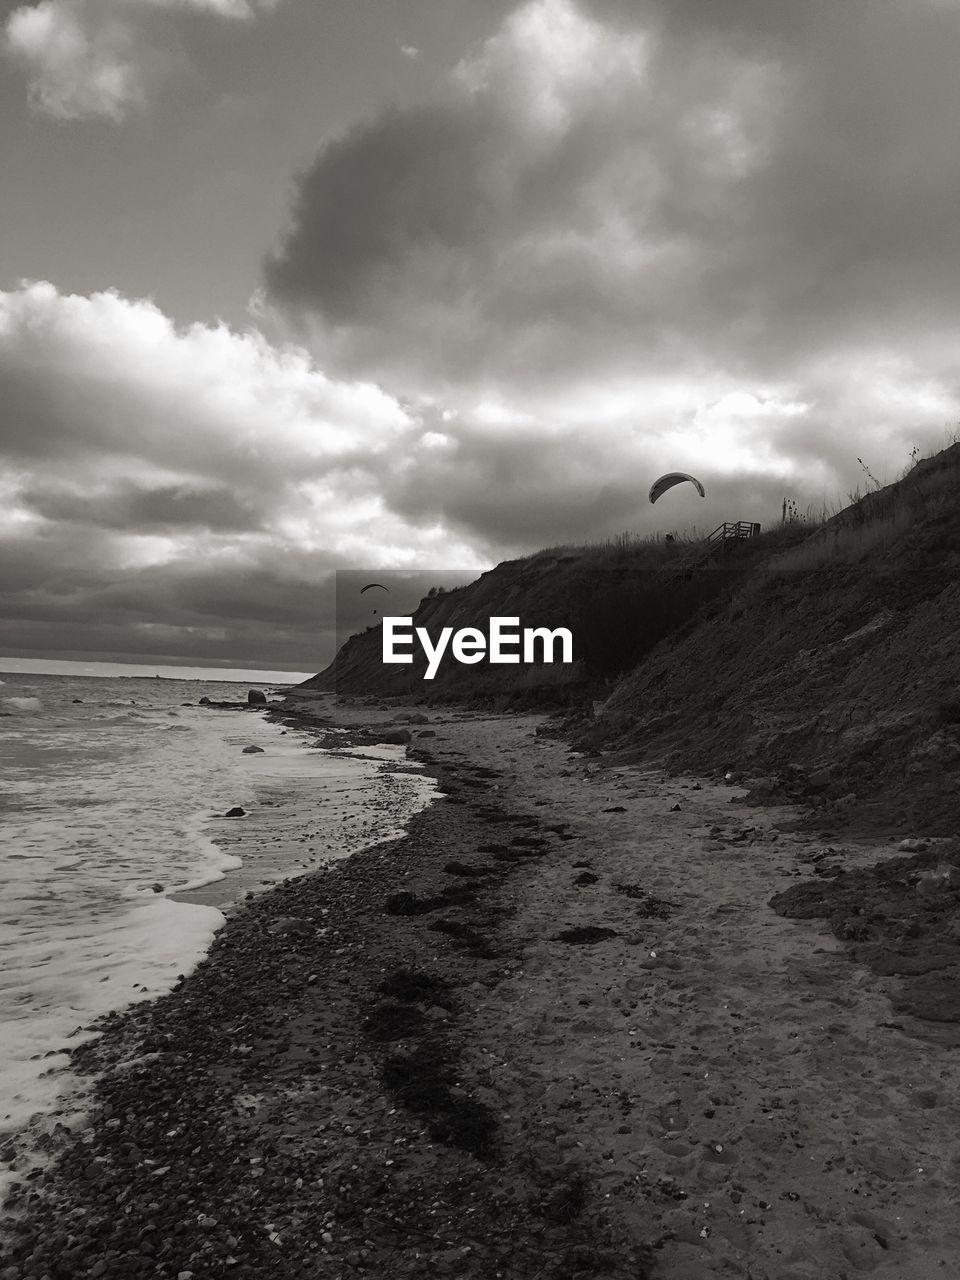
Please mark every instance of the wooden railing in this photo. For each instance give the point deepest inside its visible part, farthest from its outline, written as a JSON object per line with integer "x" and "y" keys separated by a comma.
{"x": 714, "y": 544}
{"x": 733, "y": 529}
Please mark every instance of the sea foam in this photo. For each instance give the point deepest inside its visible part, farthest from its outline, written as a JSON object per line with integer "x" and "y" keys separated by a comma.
{"x": 107, "y": 819}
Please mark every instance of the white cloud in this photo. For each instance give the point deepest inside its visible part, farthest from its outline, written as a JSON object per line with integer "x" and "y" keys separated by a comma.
{"x": 568, "y": 197}
{"x": 100, "y": 388}
{"x": 206, "y": 479}
{"x": 74, "y": 67}
{"x": 102, "y": 58}
{"x": 194, "y": 477}
{"x": 627, "y": 237}
{"x": 699, "y": 187}
{"x": 632, "y": 235}
{"x": 117, "y": 421}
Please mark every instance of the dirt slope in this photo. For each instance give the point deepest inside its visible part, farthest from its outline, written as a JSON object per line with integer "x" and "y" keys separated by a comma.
{"x": 517, "y": 587}
{"x": 618, "y": 601}
{"x": 834, "y": 671}
{"x": 826, "y": 664}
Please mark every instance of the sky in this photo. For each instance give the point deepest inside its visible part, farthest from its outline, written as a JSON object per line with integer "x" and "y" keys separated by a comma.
{"x": 289, "y": 288}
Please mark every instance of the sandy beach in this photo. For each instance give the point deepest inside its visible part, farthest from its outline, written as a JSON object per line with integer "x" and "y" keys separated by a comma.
{"x": 479, "y": 640}
{"x": 555, "y": 1030}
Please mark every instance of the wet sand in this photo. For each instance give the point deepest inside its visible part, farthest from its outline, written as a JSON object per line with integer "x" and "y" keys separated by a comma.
{"x": 556, "y": 1030}
{"x": 305, "y": 820}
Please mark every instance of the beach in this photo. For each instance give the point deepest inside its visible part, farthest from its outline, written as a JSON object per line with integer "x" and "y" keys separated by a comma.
{"x": 118, "y": 862}
{"x": 555, "y": 1029}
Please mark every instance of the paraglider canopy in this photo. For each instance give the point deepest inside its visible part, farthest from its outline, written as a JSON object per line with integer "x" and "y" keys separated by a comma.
{"x": 374, "y": 584}
{"x": 660, "y": 487}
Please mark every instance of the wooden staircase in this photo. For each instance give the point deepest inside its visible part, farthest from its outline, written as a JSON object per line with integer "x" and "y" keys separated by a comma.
{"x": 715, "y": 545}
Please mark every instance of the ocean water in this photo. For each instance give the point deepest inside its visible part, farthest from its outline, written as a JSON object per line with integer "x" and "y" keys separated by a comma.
{"x": 112, "y": 792}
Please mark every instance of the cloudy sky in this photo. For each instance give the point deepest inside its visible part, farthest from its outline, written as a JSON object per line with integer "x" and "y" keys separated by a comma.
{"x": 290, "y": 287}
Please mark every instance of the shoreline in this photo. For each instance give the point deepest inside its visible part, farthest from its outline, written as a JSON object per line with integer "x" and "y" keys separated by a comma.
{"x": 553, "y": 1030}
{"x": 282, "y": 835}
{"x": 305, "y": 810}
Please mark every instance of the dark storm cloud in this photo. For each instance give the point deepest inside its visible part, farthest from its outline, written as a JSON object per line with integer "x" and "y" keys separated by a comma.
{"x": 737, "y": 186}
{"x": 162, "y": 508}
{"x": 369, "y": 202}
{"x": 621, "y": 239}
{"x": 526, "y": 488}
{"x": 532, "y": 490}
{"x": 69, "y": 588}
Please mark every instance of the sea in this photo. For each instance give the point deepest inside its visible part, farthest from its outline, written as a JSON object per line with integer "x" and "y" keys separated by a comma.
{"x": 113, "y": 795}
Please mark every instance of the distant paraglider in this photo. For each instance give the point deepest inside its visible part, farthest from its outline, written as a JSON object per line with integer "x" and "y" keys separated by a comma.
{"x": 660, "y": 487}
{"x": 371, "y": 585}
